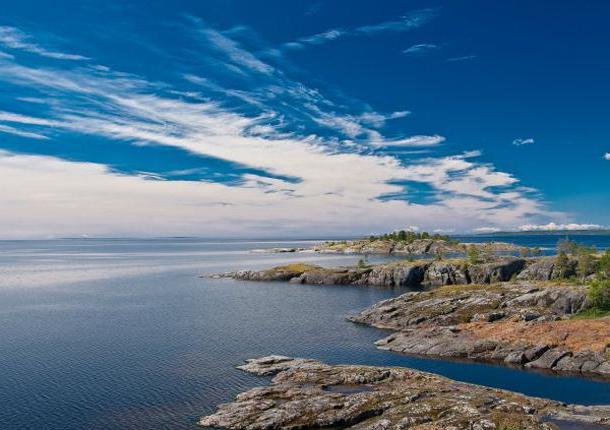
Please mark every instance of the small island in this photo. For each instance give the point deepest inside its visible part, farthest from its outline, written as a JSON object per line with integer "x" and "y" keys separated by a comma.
{"x": 404, "y": 242}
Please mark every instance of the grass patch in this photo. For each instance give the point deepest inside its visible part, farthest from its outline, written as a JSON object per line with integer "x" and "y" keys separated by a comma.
{"x": 590, "y": 314}
{"x": 295, "y": 267}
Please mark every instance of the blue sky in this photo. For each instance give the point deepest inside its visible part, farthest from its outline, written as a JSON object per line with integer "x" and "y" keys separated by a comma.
{"x": 274, "y": 118}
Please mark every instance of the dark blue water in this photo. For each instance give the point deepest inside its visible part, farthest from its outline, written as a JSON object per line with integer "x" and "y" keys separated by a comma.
{"x": 123, "y": 334}
{"x": 546, "y": 242}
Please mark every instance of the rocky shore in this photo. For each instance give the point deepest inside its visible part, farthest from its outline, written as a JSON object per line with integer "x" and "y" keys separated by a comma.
{"x": 310, "y": 394}
{"x": 410, "y": 273}
{"x": 514, "y": 324}
{"x": 417, "y": 247}
{"x": 476, "y": 314}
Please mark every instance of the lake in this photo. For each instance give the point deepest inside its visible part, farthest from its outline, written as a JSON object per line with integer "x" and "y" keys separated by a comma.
{"x": 124, "y": 334}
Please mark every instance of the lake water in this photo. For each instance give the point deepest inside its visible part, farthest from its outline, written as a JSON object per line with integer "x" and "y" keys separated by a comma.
{"x": 124, "y": 334}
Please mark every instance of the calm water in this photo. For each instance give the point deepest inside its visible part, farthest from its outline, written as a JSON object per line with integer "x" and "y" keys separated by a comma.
{"x": 123, "y": 334}
{"x": 546, "y": 243}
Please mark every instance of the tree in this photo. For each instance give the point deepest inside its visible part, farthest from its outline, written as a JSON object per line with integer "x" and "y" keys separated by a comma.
{"x": 474, "y": 254}
{"x": 587, "y": 264}
{"x": 567, "y": 246}
{"x": 599, "y": 294}
{"x": 402, "y": 235}
{"x": 604, "y": 265}
{"x": 562, "y": 268}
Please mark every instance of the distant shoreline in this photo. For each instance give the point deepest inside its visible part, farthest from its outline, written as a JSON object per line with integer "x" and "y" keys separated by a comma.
{"x": 544, "y": 233}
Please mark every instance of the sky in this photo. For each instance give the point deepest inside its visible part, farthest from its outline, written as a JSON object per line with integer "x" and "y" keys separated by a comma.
{"x": 227, "y": 118}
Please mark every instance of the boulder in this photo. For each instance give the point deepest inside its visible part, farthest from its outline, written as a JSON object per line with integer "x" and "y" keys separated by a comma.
{"x": 540, "y": 269}
{"x": 445, "y": 273}
{"x": 549, "y": 359}
{"x": 497, "y": 271}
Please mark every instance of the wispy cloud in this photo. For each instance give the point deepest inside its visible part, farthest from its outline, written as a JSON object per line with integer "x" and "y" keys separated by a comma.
{"x": 462, "y": 58}
{"x": 407, "y": 22}
{"x": 525, "y": 141}
{"x": 421, "y": 49}
{"x": 21, "y": 133}
{"x": 419, "y": 140}
{"x": 273, "y": 127}
{"x": 14, "y": 38}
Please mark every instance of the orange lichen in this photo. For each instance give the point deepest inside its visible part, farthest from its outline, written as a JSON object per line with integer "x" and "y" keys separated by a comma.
{"x": 573, "y": 335}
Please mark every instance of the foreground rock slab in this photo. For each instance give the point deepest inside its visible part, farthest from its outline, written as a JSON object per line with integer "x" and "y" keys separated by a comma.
{"x": 310, "y": 394}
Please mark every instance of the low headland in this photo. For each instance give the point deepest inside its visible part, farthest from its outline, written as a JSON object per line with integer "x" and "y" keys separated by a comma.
{"x": 549, "y": 313}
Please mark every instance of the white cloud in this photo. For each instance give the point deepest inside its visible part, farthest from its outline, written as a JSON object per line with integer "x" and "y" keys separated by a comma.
{"x": 407, "y": 22}
{"x": 484, "y": 230}
{"x": 410, "y": 21}
{"x": 462, "y": 58}
{"x": 23, "y": 119}
{"x": 14, "y": 38}
{"x": 520, "y": 142}
{"x": 338, "y": 188}
{"x": 607, "y": 156}
{"x": 239, "y": 56}
{"x": 553, "y": 226}
{"x": 420, "y": 49}
{"x": 420, "y": 140}
{"x": 21, "y": 133}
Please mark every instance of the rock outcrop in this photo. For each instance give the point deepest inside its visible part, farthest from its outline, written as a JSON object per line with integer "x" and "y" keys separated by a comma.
{"x": 417, "y": 247}
{"x": 307, "y": 394}
{"x": 514, "y": 324}
{"x": 543, "y": 269}
{"x": 400, "y": 274}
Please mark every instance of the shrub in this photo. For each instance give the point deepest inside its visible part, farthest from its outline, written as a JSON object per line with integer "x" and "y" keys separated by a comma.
{"x": 562, "y": 268}
{"x": 473, "y": 254}
{"x": 587, "y": 264}
{"x": 599, "y": 294}
{"x": 604, "y": 265}
{"x": 567, "y": 246}
{"x": 363, "y": 262}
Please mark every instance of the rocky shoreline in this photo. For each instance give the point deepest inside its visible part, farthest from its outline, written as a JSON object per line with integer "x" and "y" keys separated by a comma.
{"x": 506, "y": 310}
{"x": 310, "y": 394}
{"x": 418, "y": 247}
{"x": 513, "y": 324}
{"x": 411, "y": 273}
{"x": 475, "y": 314}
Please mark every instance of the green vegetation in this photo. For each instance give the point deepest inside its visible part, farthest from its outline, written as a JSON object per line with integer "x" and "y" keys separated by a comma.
{"x": 604, "y": 265}
{"x": 295, "y": 267}
{"x": 590, "y": 314}
{"x": 567, "y": 246}
{"x": 411, "y": 236}
{"x": 599, "y": 294}
{"x": 586, "y": 263}
{"x": 363, "y": 263}
{"x": 598, "y": 290}
{"x": 474, "y": 254}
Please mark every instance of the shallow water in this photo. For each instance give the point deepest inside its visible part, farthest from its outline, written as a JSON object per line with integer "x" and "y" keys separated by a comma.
{"x": 123, "y": 334}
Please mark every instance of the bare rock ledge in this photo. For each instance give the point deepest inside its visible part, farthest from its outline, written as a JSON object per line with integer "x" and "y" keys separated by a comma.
{"x": 308, "y": 394}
